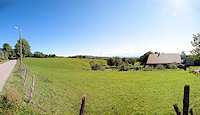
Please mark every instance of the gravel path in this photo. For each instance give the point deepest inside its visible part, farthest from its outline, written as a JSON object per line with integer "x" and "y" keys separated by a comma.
{"x": 5, "y": 70}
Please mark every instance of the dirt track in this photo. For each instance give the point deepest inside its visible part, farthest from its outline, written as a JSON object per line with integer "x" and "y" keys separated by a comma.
{"x": 5, "y": 70}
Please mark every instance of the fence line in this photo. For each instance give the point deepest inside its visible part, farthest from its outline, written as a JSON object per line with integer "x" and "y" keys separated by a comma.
{"x": 24, "y": 71}
{"x": 32, "y": 88}
{"x": 26, "y": 77}
{"x": 41, "y": 103}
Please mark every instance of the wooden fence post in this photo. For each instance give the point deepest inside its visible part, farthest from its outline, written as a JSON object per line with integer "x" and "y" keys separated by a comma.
{"x": 24, "y": 72}
{"x": 186, "y": 100}
{"x": 26, "y": 77}
{"x": 82, "y": 110}
{"x": 178, "y": 111}
{"x": 32, "y": 88}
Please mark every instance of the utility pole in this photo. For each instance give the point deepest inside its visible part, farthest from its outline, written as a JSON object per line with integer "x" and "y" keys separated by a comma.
{"x": 20, "y": 49}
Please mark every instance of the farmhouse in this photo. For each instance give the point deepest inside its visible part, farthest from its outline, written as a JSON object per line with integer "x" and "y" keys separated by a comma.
{"x": 164, "y": 59}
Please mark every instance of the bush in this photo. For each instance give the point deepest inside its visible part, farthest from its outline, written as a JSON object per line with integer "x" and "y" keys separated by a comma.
{"x": 173, "y": 66}
{"x": 123, "y": 66}
{"x": 137, "y": 63}
{"x": 130, "y": 66}
{"x": 191, "y": 69}
{"x": 160, "y": 67}
{"x": 96, "y": 66}
{"x": 110, "y": 61}
{"x": 137, "y": 68}
{"x": 146, "y": 68}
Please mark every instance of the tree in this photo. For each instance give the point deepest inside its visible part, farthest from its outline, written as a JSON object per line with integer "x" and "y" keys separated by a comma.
{"x": 131, "y": 61}
{"x": 30, "y": 54}
{"x": 46, "y": 56}
{"x": 8, "y": 51}
{"x": 54, "y": 55}
{"x": 2, "y": 55}
{"x": 13, "y": 54}
{"x": 124, "y": 66}
{"x": 50, "y": 55}
{"x": 38, "y": 54}
{"x": 124, "y": 59}
{"x": 196, "y": 44}
{"x": 110, "y": 61}
{"x": 25, "y": 47}
{"x": 144, "y": 57}
{"x": 117, "y": 61}
{"x": 96, "y": 66}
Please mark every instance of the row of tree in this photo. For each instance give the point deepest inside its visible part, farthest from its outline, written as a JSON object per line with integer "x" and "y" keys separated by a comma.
{"x": 116, "y": 61}
{"x": 38, "y": 54}
{"x": 95, "y": 66}
{"x": 10, "y": 53}
{"x": 121, "y": 63}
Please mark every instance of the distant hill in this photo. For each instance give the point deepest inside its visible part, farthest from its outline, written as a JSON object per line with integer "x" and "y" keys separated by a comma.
{"x": 1, "y": 49}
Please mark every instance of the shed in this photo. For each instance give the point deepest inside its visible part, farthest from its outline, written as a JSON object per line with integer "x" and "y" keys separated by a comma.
{"x": 155, "y": 59}
{"x": 190, "y": 61}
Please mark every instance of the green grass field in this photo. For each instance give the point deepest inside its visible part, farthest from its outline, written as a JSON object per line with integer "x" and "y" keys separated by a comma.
{"x": 60, "y": 84}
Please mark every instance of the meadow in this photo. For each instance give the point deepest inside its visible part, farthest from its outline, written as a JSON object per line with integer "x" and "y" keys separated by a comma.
{"x": 60, "y": 84}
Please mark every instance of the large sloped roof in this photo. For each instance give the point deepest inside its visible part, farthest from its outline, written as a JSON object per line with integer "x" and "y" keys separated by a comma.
{"x": 163, "y": 58}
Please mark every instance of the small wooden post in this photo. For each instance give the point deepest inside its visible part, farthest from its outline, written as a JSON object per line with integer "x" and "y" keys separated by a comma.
{"x": 26, "y": 77}
{"x": 32, "y": 88}
{"x": 191, "y": 111}
{"x": 185, "y": 67}
{"x": 178, "y": 111}
{"x": 82, "y": 110}
{"x": 186, "y": 100}
{"x": 24, "y": 72}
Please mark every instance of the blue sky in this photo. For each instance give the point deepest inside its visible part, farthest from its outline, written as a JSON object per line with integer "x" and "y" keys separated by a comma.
{"x": 112, "y": 27}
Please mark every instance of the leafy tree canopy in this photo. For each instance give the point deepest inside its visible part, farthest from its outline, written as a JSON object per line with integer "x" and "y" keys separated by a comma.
{"x": 110, "y": 61}
{"x": 38, "y": 54}
{"x": 25, "y": 47}
{"x": 8, "y": 51}
{"x": 144, "y": 57}
{"x": 117, "y": 61}
{"x": 196, "y": 44}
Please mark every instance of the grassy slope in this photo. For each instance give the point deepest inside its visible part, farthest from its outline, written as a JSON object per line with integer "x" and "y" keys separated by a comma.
{"x": 62, "y": 83}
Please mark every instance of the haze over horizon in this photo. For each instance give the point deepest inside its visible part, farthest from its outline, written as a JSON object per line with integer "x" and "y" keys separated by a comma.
{"x": 113, "y": 27}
